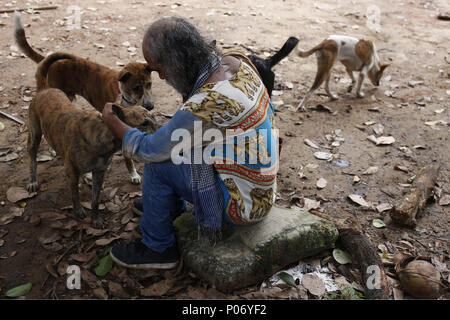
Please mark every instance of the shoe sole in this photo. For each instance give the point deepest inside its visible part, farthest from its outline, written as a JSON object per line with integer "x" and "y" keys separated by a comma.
{"x": 167, "y": 265}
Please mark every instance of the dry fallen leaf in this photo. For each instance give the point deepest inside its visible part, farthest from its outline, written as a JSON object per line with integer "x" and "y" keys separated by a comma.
{"x": 359, "y": 200}
{"x": 9, "y": 157}
{"x": 95, "y": 232}
{"x": 15, "y": 194}
{"x": 158, "y": 289}
{"x": 321, "y": 183}
{"x": 88, "y": 205}
{"x": 445, "y": 200}
{"x": 378, "y": 129}
{"x": 112, "y": 207}
{"x": 100, "y": 293}
{"x": 126, "y": 218}
{"x": 381, "y": 140}
{"x": 308, "y": 204}
{"x": 131, "y": 226}
{"x": 90, "y": 278}
{"x": 135, "y": 194}
{"x": 82, "y": 257}
{"x": 323, "y": 155}
{"x": 384, "y": 207}
{"x": 311, "y": 144}
{"x": 116, "y": 290}
{"x": 371, "y": 170}
{"x": 44, "y": 156}
{"x": 401, "y": 168}
{"x": 105, "y": 242}
{"x": 49, "y": 237}
{"x": 313, "y": 284}
{"x": 50, "y": 215}
{"x": 7, "y": 218}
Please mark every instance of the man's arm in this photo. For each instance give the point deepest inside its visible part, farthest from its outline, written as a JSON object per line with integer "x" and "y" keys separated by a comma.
{"x": 117, "y": 126}
{"x": 143, "y": 147}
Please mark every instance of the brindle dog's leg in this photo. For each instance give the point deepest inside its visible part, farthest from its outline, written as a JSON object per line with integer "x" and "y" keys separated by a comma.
{"x": 34, "y": 139}
{"x": 97, "y": 182}
{"x": 134, "y": 176}
{"x": 73, "y": 175}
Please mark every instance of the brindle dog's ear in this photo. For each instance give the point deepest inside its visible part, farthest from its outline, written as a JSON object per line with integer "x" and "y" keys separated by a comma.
{"x": 124, "y": 77}
{"x": 118, "y": 111}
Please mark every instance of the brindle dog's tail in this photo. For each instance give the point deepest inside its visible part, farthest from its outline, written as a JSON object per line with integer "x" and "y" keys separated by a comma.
{"x": 44, "y": 66}
{"x": 21, "y": 40}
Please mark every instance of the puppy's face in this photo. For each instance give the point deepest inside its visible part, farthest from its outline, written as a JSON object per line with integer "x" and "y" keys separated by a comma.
{"x": 137, "y": 117}
{"x": 375, "y": 74}
{"x": 135, "y": 83}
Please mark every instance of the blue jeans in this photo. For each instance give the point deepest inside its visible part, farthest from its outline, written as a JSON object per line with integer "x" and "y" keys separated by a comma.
{"x": 165, "y": 189}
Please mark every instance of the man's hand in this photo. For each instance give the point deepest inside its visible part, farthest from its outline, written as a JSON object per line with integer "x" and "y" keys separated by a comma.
{"x": 107, "y": 112}
{"x": 110, "y": 118}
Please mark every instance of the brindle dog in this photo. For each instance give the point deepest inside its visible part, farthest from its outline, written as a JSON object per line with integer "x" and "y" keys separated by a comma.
{"x": 98, "y": 84}
{"x": 80, "y": 137}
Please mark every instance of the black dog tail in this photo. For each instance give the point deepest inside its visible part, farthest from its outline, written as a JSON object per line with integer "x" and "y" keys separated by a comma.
{"x": 288, "y": 46}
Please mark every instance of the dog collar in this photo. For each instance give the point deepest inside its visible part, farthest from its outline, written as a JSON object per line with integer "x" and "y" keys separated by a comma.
{"x": 123, "y": 96}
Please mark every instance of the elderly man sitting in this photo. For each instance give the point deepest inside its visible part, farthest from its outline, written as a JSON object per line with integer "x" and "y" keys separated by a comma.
{"x": 235, "y": 180}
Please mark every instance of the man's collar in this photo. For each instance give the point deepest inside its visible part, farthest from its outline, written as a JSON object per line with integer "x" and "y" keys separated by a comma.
{"x": 212, "y": 63}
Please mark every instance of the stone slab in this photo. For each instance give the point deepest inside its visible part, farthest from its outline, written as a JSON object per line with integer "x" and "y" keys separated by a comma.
{"x": 249, "y": 254}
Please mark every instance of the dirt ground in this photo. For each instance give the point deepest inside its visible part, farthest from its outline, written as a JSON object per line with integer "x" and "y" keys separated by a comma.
{"x": 412, "y": 104}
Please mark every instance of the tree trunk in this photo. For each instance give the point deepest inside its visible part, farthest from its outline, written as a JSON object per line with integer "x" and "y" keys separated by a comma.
{"x": 364, "y": 254}
{"x": 406, "y": 210}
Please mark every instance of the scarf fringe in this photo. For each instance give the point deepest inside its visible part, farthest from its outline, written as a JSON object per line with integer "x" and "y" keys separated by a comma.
{"x": 213, "y": 235}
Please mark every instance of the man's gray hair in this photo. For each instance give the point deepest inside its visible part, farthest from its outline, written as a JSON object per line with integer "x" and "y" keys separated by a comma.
{"x": 176, "y": 45}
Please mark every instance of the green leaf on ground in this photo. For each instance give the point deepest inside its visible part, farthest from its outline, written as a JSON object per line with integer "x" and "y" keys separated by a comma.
{"x": 378, "y": 223}
{"x": 341, "y": 256}
{"x": 105, "y": 265}
{"x": 19, "y": 291}
{"x": 286, "y": 277}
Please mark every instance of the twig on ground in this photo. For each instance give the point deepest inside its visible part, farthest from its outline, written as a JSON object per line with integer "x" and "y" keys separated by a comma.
{"x": 29, "y": 8}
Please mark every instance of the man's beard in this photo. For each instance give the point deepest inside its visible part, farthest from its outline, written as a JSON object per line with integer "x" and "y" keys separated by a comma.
{"x": 180, "y": 84}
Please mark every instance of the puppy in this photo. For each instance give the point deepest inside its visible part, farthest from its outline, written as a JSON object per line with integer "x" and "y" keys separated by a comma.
{"x": 354, "y": 54}
{"x": 80, "y": 137}
{"x": 265, "y": 66}
{"x": 96, "y": 83}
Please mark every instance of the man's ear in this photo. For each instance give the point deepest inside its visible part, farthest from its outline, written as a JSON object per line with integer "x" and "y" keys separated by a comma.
{"x": 213, "y": 43}
{"x": 118, "y": 110}
{"x": 125, "y": 76}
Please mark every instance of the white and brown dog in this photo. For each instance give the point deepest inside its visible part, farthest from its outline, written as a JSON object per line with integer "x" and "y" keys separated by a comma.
{"x": 355, "y": 54}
